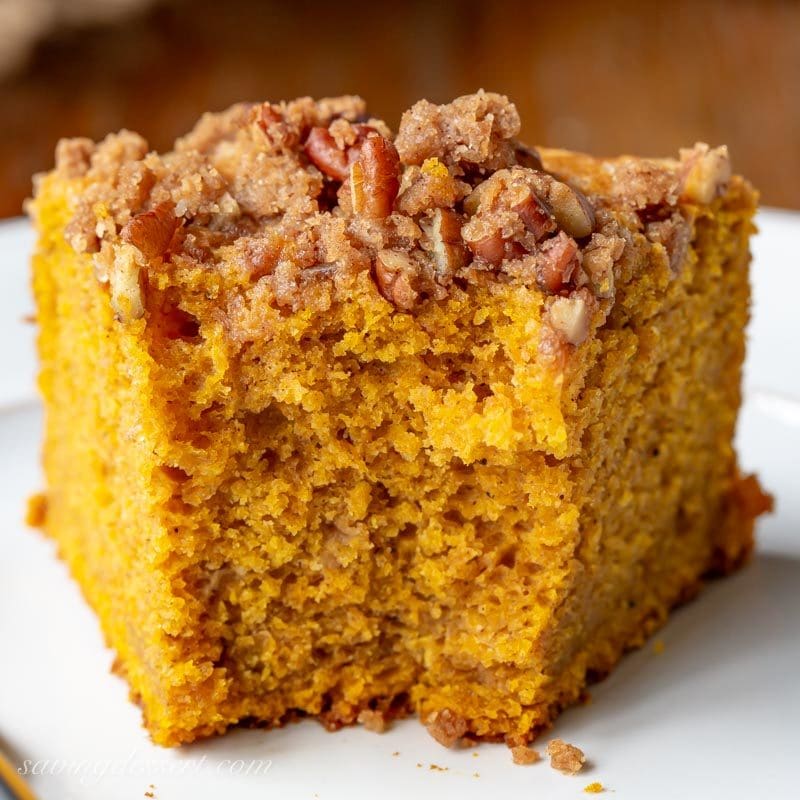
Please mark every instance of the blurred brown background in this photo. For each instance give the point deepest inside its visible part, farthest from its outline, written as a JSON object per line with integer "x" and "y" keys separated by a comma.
{"x": 643, "y": 77}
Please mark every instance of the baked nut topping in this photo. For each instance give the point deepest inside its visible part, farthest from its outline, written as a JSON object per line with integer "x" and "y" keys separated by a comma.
{"x": 396, "y": 273}
{"x": 674, "y": 233}
{"x": 599, "y": 257}
{"x": 447, "y": 247}
{"x": 151, "y": 231}
{"x": 311, "y": 193}
{"x": 572, "y": 211}
{"x": 446, "y": 727}
{"x": 706, "y": 172}
{"x": 124, "y": 280}
{"x": 565, "y": 757}
{"x": 570, "y": 316}
{"x": 375, "y": 178}
{"x": 321, "y": 149}
{"x": 556, "y": 262}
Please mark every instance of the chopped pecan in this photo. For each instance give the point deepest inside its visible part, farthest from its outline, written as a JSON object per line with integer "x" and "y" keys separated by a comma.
{"x": 706, "y": 172}
{"x": 446, "y": 726}
{"x": 375, "y": 178}
{"x": 321, "y": 149}
{"x": 534, "y": 216}
{"x": 570, "y": 316}
{"x": 556, "y": 262}
{"x": 572, "y": 210}
{"x": 527, "y": 157}
{"x": 674, "y": 234}
{"x": 507, "y": 219}
{"x": 444, "y": 233}
{"x": 124, "y": 280}
{"x": 278, "y": 131}
{"x": 396, "y": 273}
{"x": 151, "y": 231}
{"x": 599, "y": 257}
{"x": 491, "y": 248}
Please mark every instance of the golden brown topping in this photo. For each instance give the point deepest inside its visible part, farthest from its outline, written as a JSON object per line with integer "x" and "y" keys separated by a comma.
{"x": 396, "y": 273}
{"x": 491, "y": 248}
{"x": 570, "y": 316}
{"x": 73, "y": 156}
{"x": 446, "y": 726}
{"x": 674, "y": 234}
{"x": 572, "y": 211}
{"x": 474, "y": 129}
{"x": 375, "y": 178}
{"x": 556, "y": 262}
{"x": 706, "y": 172}
{"x": 599, "y": 257}
{"x": 430, "y": 186}
{"x": 322, "y": 152}
{"x": 507, "y": 219}
{"x": 151, "y": 232}
{"x": 374, "y": 721}
{"x": 278, "y": 131}
{"x": 565, "y": 757}
{"x": 444, "y": 235}
{"x": 522, "y": 754}
{"x": 534, "y": 216}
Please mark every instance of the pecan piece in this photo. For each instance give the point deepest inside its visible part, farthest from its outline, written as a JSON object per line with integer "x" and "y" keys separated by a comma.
{"x": 572, "y": 210}
{"x": 151, "y": 231}
{"x": 599, "y": 258}
{"x": 706, "y": 172}
{"x": 534, "y": 216}
{"x": 556, "y": 262}
{"x": 491, "y": 248}
{"x": 124, "y": 280}
{"x": 375, "y": 178}
{"x": 674, "y": 234}
{"x": 570, "y": 316}
{"x": 322, "y": 152}
{"x": 449, "y": 254}
{"x": 275, "y": 127}
{"x": 396, "y": 273}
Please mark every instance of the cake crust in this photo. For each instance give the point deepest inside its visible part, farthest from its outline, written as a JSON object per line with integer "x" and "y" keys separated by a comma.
{"x": 353, "y": 424}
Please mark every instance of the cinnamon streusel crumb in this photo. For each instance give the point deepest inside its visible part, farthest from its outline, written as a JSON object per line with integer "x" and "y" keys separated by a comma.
{"x": 565, "y": 757}
{"x": 522, "y": 754}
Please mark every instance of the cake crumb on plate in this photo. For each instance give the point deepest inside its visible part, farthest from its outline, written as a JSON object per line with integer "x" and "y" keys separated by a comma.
{"x": 565, "y": 757}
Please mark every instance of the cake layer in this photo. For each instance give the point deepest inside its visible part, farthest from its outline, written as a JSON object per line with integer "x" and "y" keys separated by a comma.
{"x": 350, "y": 424}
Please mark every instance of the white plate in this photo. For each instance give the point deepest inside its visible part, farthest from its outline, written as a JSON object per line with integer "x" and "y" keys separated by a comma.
{"x": 715, "y": 715}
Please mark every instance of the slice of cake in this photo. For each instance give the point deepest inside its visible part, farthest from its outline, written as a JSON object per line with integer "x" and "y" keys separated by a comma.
{"x": 349, "y": 424}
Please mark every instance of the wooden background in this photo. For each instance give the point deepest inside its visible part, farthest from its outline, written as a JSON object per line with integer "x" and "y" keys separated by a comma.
{"x": 642, "y": 77}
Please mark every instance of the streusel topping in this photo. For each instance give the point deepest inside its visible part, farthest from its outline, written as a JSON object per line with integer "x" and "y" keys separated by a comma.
{"x": 303, "y": 192}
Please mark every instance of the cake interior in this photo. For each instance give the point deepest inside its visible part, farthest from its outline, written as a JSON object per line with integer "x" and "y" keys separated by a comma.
{"x": 345, "y": 509}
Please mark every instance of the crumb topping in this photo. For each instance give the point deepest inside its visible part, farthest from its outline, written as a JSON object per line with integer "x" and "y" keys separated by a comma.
{"x": 446, "y": 726}
{"x": 565, "y": 757}
{"x": 302, "y": 196}
{"x": 522, "y": 754}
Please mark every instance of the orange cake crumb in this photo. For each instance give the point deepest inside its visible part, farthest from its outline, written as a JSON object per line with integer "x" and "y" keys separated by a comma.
{"x": 565, "y": 757}
{"x": 355, "y": 423}
{"x": 594, "y": 788}
{"x": 36, "y": 512}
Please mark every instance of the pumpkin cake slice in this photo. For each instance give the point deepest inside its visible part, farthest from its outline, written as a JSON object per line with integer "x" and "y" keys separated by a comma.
{"x": 351, "y": 424}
